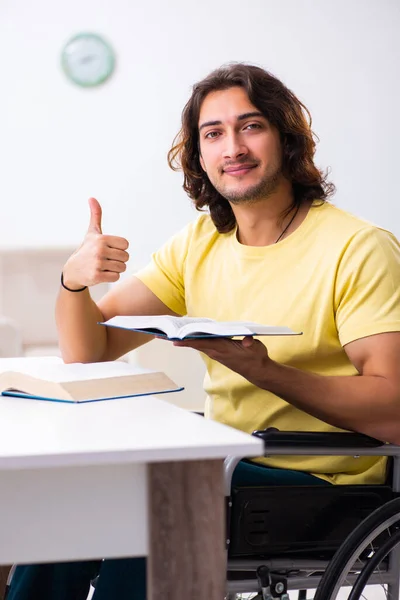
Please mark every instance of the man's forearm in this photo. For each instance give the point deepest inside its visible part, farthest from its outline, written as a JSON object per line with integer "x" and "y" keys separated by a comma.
{"x": 80, "y": 338}
{"x": 368, "y": 404}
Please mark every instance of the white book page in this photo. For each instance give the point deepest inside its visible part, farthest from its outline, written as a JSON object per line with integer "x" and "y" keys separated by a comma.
{"x": 25, "y": 364}
{"x": 214, "y": 328}
{"x": 53, "y": 369}
{"x": 184, "y": 326}
{"x": 262, "y": 328}
{"x": 237, "y": 328}
{"x": 169, "y": 324}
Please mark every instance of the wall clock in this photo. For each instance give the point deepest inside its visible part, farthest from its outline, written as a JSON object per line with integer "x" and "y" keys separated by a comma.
{"x": 87, "y": 59}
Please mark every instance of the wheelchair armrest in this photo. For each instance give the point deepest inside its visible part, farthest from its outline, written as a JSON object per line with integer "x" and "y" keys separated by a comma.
{"x": 315, "y": 439}
{"x": 310, "y": 443}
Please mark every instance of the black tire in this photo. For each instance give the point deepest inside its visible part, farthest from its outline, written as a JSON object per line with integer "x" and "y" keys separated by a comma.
{"x": 368, "y": 530}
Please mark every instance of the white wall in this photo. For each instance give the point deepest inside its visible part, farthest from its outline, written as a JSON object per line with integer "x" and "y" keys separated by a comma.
{"x": 60, "y": 144}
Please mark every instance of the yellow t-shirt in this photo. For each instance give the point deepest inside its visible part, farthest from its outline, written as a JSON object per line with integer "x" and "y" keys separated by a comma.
{"x": 336, "y": 278}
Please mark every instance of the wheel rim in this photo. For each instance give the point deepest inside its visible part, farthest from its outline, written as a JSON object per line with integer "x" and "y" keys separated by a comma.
{"x": 378, "y": 530}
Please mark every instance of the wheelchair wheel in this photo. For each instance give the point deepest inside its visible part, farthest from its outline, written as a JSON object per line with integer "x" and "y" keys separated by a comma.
{"x": 362, "y": 560}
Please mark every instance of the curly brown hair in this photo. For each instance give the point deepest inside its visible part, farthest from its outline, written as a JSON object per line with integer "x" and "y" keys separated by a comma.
{"x": 282, "y": 109}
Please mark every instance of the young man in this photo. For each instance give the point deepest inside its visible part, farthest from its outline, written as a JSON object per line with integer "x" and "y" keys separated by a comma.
{"x": 271, "y": 250}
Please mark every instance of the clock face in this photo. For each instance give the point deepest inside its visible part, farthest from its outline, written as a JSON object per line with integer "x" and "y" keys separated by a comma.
{"x": 87, "y": 59}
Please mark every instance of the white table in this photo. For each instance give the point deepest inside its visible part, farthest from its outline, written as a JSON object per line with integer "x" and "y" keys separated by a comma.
{"x": 129, "y": 477}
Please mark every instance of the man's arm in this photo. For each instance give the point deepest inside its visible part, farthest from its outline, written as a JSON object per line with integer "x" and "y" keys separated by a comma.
{"x": 100, "y": 258}
{"x": 83, "y": 340}
{"x": 368, "y": 403}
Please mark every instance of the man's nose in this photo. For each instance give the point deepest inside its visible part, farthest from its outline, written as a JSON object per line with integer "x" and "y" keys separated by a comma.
{"x": 234, "y": 147}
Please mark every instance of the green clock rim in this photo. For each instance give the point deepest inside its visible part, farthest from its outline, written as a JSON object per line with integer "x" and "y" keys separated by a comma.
{"x": 111, "y": 59}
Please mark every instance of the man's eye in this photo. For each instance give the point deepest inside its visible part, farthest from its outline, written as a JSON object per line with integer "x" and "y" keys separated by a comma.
{"x": 212, "y": 135}
{"x": 253, "y": 126}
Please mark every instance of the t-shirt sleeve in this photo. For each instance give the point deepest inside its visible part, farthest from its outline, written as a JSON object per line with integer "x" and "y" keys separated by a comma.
{"x": 165, "y": 273}
{"x": 367, "y": 290}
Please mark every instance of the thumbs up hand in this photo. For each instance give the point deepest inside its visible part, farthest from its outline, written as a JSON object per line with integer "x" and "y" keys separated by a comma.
{"x": 100, "y": 258}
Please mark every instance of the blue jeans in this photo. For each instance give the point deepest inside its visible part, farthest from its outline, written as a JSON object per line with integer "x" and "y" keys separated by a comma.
{"x": 124, "y": 578}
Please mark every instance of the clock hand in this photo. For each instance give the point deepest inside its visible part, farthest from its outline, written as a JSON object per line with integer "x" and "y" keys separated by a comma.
{"x": 87, "y": 59}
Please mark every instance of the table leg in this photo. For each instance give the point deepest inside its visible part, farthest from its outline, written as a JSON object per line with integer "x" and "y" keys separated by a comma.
{"x": 187, "y": 556}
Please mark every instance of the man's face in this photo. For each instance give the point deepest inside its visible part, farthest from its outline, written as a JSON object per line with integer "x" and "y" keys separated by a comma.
{"x": 240, "y": 150}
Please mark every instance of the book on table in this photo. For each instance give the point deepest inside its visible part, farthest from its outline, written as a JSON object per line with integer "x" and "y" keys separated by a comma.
{"x": 49, "y": 378}
{"x": 180, "y": 328}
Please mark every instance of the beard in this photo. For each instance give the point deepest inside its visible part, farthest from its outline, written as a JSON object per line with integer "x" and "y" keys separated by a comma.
{"x": 252, "y": 194}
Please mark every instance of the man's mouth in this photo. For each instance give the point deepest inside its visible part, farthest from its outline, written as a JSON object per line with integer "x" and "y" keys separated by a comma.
{"x": 237, "y": 170}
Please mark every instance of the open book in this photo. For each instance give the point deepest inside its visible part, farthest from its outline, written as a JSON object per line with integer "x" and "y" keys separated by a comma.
{"x": 51, "y": 379}
{"x": 179, "y": 328}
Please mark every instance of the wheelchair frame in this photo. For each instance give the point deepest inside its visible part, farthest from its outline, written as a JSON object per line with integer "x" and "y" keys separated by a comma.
{"x": 299, "y": 572}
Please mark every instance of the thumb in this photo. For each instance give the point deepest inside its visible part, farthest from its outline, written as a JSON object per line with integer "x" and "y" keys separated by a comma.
{"x": 95, "y": 216}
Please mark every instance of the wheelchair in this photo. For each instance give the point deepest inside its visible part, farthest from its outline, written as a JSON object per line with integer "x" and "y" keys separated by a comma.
{"x": 342, "y": 541}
